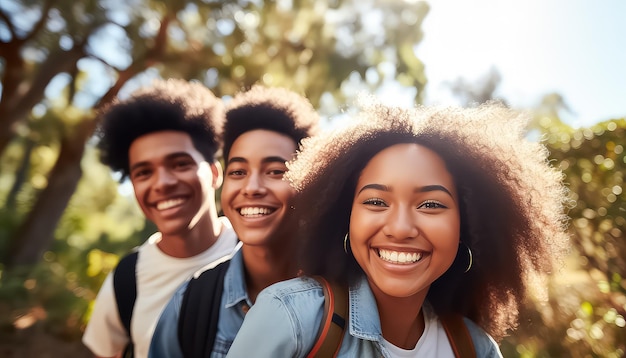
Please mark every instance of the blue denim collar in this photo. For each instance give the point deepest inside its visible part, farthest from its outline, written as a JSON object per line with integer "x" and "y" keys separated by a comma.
{"x": 364, "y": 321}
{"x": 235, "y": 282}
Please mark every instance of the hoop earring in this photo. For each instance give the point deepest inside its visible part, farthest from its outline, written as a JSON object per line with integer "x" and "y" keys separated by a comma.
{"x": 346, "y": 243}
{"x": 471, "y": 257}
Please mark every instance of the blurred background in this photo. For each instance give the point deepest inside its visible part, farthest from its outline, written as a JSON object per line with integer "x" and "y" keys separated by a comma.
{"x": 65, "y": 221}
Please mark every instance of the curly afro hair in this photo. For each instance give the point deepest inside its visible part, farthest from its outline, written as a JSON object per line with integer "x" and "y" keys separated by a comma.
{"x": 172, "y": 104}
{"x": 276, "y": 109}
{"x": 512, "y": 202}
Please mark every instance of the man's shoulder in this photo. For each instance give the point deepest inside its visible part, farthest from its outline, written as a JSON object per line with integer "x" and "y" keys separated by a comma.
{"x": 222, "y": 262}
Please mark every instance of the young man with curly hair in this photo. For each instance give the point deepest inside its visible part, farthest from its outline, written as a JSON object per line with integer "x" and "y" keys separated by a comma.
{"x": 164, "y": 139}
{"x": 263, "y": 129}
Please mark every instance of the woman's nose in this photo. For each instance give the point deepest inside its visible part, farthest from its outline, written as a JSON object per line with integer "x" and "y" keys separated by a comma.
{"x": 401, "y": 224}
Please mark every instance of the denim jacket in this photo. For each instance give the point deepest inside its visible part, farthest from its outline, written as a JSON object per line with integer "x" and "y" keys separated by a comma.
{"x": 235, "y": 303}
{"x": 287, "y": 315}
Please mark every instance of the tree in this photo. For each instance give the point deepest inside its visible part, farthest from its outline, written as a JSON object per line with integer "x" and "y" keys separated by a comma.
{"x": 309, "y": 46}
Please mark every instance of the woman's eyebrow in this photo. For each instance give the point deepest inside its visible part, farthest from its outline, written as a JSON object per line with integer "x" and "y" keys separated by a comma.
{"x": 428, "y": 188}
{"x": 375, "y": 187}
{"x": 423, "y": 189}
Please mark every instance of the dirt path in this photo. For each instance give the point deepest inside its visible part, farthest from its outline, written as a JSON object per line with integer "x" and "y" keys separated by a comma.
{"x": 34, "y": 342}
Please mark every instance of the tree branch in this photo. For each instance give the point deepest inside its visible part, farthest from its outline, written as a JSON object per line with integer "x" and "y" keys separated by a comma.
{"x": 152, "y": 56}
{"x": 45, "y": 10}
{"x": 5, "y": 17}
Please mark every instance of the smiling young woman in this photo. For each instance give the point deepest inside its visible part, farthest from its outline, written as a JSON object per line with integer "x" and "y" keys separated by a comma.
{"x": 426, "y": 214}
{"x": 404, "y": 225}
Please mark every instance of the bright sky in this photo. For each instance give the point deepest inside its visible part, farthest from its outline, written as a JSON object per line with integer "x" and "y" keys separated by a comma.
{"x": 574, "y": 47}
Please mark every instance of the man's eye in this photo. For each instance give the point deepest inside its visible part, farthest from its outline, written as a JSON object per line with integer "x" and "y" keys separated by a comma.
{"x": 279, "y": 172}
{"x": 236, "y": 173}
{"x": 141, "y": 173}
{"x": 183, "y": 164}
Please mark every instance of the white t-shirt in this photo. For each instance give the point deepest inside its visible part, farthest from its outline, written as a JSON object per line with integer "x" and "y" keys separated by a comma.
{"x": 433, "y": 343}
{"x": 158, "y": 277}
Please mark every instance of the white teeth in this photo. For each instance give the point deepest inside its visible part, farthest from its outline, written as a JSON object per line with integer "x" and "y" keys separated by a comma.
{"x": 399, "y": 257}
{"x": 166, "y": 204}
{"x": 255, "y": 211}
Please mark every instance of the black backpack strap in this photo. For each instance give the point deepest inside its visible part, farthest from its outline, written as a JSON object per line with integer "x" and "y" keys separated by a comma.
{"x": 125, "y": 288}
{"x": 199, "y": 312}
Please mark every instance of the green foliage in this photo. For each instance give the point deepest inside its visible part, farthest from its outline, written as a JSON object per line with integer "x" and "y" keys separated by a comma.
{"x": 584, "y": 315}
{"x": 98, "y": 227}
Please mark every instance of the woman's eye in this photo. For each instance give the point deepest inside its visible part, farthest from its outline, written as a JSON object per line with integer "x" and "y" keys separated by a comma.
{"x": 375, "y": 202}
{"x": 431, "y": 204}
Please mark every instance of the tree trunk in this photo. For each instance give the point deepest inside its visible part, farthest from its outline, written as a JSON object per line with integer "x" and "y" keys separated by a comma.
{"x": 20, "y": 175}
{"x": 37, "y": 230}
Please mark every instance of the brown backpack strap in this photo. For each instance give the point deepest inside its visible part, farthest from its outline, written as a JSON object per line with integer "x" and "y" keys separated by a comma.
{"x": 459, "y": 337}
{"x": 330, "y": 335}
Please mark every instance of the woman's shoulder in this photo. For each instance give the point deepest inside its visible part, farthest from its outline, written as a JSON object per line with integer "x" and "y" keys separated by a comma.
{"x": 484, "y": 344}
{"x": 294, "y": 308}
{"x": 295, "y": 286}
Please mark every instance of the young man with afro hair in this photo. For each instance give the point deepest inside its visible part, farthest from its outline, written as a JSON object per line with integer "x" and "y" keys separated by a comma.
{"x": 263, "y": 129}
{"x": 164, "y": 138}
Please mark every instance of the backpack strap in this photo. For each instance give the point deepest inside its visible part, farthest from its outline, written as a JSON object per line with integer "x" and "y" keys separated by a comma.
{"x": 330, "y": 335}
{"x": 125, "y": 289}
{"x": 199, "y": 312}
{"x": 459, "y": 337}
